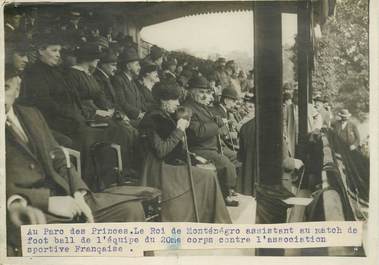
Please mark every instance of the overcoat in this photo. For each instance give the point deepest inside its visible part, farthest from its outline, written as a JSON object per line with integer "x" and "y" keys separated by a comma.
{"x": 349, "y": 135}
{"x": 128, "y": 95}
{"x": 37, "y": 170}
{"x": 246, "y": 154}
{"x": 165, "y": 168}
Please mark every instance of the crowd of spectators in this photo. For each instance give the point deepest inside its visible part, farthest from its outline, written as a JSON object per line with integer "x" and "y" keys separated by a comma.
{"x": 178, "y": 119}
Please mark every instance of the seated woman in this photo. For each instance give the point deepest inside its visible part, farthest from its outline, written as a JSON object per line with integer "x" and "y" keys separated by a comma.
{"x": 164, "y": 166}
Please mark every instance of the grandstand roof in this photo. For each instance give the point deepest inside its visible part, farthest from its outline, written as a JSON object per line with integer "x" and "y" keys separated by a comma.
{"x": 149, "y": 13}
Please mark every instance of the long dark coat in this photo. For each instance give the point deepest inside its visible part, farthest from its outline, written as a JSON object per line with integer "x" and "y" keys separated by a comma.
{"x": 349, "y": 135}
{"x": 203, "y": 130}
{"x": 38, "y": 170}
{"x": 128, "y": 95}
{"x": 88, "y": 88}
{"x": 165, "y": 168}
{"x": 107, "y": 87}
{"x": 246, "y": 154}
{"x": 46, "y": 88}
{"x": 147, "y": 97}
{"x": 57, "y": 96}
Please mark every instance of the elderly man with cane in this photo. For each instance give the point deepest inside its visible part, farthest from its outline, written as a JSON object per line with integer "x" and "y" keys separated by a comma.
{"x": 204, "y": 135}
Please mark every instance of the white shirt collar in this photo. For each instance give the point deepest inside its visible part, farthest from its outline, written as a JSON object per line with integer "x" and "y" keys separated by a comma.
{"x": 78, "y": 67}
{"x": 128, "y": 76}
{"x": 11, "y": 115}
{"x": 15, "y": 121}
{"x": 101, "y": 71}
{"x": 222, "y": 106}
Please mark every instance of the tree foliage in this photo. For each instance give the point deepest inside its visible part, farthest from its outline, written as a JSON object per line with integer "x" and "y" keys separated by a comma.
{"x": 341, "y": 58}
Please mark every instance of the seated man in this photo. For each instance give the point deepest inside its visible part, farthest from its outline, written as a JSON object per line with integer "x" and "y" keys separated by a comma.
{"x": 37, "y": 176}
{"x": 226, "y": 109}
{"x": 204, "y": 135}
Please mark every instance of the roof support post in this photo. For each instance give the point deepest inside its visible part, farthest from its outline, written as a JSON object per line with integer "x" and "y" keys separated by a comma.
{"x": 269, "y": 115}
{"x": 303, "y": 71}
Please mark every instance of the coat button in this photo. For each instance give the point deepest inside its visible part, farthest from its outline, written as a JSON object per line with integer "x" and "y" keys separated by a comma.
{"x": 32, "y": 166}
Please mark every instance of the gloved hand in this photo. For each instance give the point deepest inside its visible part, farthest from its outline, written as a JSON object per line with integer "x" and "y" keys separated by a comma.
{"x": 182, "y": 124}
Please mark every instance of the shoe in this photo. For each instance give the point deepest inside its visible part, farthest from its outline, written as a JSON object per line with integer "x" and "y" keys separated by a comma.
{"x": 229, "y": 202}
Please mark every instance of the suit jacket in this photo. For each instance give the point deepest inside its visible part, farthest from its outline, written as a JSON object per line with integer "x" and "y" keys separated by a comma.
{"x": 149, "y": 103}
{"x": 219, "y": 111}
{"x": 107, "y": 87}
{"x": 246, "y": 154}
{"x": 91, "y": 94}
{"x": 37, "y": 170}
{"x": 128, "y": 95}
{"x": 203, "y": 130}
{"x": 349, "y": 135}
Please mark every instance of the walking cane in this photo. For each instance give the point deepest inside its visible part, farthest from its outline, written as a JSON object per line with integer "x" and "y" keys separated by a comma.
{"x": 189, "y": 165}
{"x": 231, "y": 139}
{"x": 185, "y": 113}
{"x": 220, "y": 144}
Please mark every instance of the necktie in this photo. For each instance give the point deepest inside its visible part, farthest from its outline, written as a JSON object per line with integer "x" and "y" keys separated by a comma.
{"x": 16, "y": 129}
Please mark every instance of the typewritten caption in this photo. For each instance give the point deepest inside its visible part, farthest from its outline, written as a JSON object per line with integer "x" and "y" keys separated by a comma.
{"x": 131, "y": 239}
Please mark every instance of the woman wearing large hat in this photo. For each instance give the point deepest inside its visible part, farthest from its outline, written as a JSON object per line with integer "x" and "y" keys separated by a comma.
{"x": 96, "y": 105}
{"x": 165, "y": 166}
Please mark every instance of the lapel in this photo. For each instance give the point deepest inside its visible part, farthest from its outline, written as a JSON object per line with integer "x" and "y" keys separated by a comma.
{"x": 35, "y": 134}
{"x": 127, "y": 82}
{"x": 223, "y": 110}
{"x": 11, "y": 135}
{"x": 108, "y": 84}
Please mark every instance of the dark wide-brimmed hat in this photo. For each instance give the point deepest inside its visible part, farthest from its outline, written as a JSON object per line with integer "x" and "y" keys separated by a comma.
{"x": 344, "y": 113}
{"x": 229, "y": 92}
{"x": 102, "y": 42}
{"x": 198, "y": 82}
{"x": 147, "y": 68}
{"x": 108, "y": 56}
{"x": 155, "y": 52}
{"x": 230, "y": 64}
{"x": 221, "y": 60}
{"x": 44, "y": 39}
{"x": 166, "y": 89}
{"x": 88, "y": 52}
{"x": 129, "y": 55}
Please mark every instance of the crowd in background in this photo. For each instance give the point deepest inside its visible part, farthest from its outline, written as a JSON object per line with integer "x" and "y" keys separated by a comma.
{"x": 92, "y": 86}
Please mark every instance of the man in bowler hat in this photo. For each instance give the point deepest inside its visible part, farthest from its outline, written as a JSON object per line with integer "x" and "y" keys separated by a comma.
{"x": 127, "y": 92}
{"x": 346, "y": 130}
{"x": 204, "y": 135}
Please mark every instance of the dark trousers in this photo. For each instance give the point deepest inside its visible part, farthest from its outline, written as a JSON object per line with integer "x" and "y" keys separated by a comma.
{"x": 226, "y": 170}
